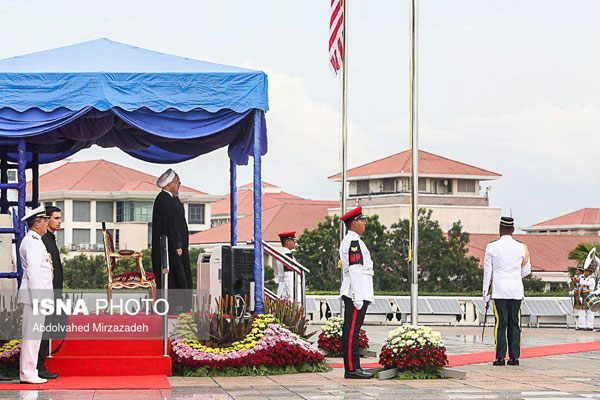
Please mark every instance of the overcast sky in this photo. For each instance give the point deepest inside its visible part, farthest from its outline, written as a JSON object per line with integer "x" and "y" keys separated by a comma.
{"x": 508, "y": 86}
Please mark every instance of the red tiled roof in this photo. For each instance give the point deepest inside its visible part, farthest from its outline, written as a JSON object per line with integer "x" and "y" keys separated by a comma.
{"x": 99, "y": 176}
{"x": 263, "y": 183}
{"x": 549, "y": 253}
{"x": 245, "y": 200}
{"x": 585, "y": 216}
{"x": 295, "y": 216}
{"x": 428, "y": 164}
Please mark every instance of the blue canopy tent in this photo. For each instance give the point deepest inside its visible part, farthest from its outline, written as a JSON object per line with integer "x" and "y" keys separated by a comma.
{"x": 155, "y": 107}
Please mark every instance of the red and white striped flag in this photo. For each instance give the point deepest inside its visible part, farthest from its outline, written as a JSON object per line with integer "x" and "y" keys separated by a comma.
{"x": 336, "y": 38}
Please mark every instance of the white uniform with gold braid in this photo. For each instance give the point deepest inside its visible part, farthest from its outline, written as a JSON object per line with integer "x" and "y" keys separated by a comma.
{"x": 35, "y": 284}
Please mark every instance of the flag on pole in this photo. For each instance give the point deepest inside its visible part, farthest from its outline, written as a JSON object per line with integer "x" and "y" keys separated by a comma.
{"x": 336, "y": 38}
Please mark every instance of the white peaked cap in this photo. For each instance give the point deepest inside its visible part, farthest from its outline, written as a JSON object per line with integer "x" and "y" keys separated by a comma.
{"x": 39, "y": 212}
{"x": 166, "y": 178}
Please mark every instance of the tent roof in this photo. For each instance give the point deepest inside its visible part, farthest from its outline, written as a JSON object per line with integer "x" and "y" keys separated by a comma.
{"x": 104, "y": 74}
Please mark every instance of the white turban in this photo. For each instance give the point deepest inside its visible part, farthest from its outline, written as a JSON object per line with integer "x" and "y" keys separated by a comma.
{"x": 166, "y": 178}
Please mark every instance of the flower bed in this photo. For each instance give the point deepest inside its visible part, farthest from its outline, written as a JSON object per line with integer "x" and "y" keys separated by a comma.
{"x": 330, "y": 339}
{"x": 9, "y": 357}
{"x": 417, "y": 352}
{"x": 268, "y": 347}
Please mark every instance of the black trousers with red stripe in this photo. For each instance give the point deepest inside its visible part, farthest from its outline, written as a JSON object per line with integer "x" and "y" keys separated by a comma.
{"x": 353, "y": 320}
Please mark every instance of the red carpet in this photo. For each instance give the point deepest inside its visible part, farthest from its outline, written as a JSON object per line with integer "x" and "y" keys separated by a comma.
{"x": 96, "y": 382}
{"x": 97, "y": 348}
{"x": 456, "y": 360}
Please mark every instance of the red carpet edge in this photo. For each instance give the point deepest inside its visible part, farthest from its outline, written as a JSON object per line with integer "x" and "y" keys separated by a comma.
{"x": 96, "y": 383}
{"x": 456, "y": 360}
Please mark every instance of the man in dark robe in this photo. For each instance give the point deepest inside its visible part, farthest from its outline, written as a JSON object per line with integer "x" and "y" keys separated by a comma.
{"x": 168, "y": 219}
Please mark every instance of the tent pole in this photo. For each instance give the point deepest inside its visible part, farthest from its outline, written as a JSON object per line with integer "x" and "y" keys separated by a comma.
{"x": 258, "y": 290}
{"x": 233, "y": 201}
{"x": 4, "y": 179}
{"x": 35, "y": 174}
{"x": 21, "y": 180}
{"x": 414, "y": 132}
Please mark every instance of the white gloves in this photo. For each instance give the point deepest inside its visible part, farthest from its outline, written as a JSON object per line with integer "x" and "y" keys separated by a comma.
{"x": 358, "y": 304}
{"x": 486, "y": 297}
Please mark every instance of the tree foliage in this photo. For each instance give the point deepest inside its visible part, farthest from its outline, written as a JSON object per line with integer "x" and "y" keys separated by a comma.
{"x": 444, "y": 264}
{"x": 580, "y": 252}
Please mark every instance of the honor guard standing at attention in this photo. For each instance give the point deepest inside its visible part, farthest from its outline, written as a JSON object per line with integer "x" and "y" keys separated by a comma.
{"x": 36, "y": 284}
{"x": 587, "y": 285}
{"x": 356, "y": 291}
{"x": 578, "y": 308}
{"x": 506, "y": 263}
{"x": 285, "y": 275}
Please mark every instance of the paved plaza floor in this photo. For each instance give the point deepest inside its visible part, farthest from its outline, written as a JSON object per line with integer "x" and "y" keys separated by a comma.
{"x": 572, "y": 376}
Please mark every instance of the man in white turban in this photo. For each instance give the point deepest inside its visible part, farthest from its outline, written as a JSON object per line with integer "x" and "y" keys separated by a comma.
{"x": 168, "y": 219}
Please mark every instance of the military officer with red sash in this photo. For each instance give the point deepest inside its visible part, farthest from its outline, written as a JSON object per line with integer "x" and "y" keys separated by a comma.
{"x": 356, "y": 290}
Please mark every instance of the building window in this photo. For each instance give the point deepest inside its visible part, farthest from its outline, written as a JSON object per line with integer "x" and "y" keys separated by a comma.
{"x": 362, "y": 187}
{"x": 47, "y": 203}
{"x": 61, "y": 205}
{"x": 99, "y": 237}
{"x": 422, "y": 185}
{"x": 117, "y": 240}
{"x": 104, "y": 211}
{"x": 389, "y": 185}
{"x": 196, "y": 213}
{"x": 81, "y": 211}
{"x": 134, "y": 211}
{"x": 466, "y": 186}
{"x": 12, "y": 175}
{"x": 81, "y": 236}
{"x": 60, "y": 238}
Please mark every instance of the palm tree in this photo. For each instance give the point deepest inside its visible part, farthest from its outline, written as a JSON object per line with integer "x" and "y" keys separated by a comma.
{"x": 580, "y": 252}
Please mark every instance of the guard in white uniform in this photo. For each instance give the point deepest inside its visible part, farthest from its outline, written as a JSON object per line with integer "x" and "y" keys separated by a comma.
{"x": 35, "y": 284}
{"x": 356, "y": 290}
{"x": 506, "y": 263}
{"x": 588, "y": 285}
{"x": 285, "y": 275}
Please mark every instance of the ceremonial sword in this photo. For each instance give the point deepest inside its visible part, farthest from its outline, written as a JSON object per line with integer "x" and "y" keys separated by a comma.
{"x": 487, "y": 307}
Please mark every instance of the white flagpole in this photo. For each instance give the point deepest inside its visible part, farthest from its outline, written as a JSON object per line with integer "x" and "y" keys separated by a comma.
{"x": 344, "y": 126}
{"x": 414, "y": 134}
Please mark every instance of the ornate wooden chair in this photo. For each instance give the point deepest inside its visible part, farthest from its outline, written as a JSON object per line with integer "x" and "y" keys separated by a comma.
{"x": 127, "y": 280}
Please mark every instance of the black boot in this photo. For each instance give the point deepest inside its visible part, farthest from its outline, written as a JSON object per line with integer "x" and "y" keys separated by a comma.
{"x": 357, "y": 374}
{"x": 513, "y": 361}
{"x": 498, "y": 362}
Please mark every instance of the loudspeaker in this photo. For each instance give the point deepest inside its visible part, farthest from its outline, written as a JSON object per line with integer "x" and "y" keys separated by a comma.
{"x": 237, "y": 266}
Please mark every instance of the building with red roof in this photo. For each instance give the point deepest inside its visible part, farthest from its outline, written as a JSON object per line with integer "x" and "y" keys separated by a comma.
{"x": 281, "y": 212}
{"x": 96, "y": 191}
{"x": 271, "y": 196}
{"x": 295, "y": 215}
{"x": 451, "y": 189}
{"x": 581, "y": 222}
{"x": 549, "y": 254}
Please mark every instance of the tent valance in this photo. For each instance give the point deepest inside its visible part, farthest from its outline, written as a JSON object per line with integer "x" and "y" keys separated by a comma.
{"x": 166, "y": 137}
